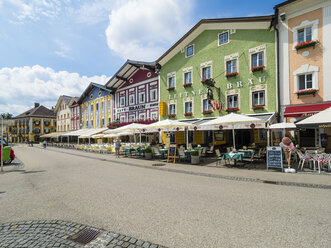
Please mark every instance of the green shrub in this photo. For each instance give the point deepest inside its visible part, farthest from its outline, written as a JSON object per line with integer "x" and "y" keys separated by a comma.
{"x": 195, "y": 153}
{"x": 148, "y": 149}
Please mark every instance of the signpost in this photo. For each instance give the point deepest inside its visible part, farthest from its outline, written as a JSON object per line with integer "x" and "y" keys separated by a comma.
{"x": 274, "y": 157}
{"x": 172, "y": 150}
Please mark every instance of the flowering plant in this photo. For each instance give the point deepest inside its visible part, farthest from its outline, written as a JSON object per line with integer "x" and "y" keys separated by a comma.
{"x": 306, "y": 92}
{"x": 231, "y": 74}
{"x": 208, "y": 81}
{"x": 171, "y": 88}
{"x": 172, "y": 115}
{"x": 207, "y": 112}
{"x": 258, "y": 107}
{"x": 305, "y": 44}
{"x": 188, "y": 113}
{"x": 232, "y": 109}
{"x": 187, "y": 84}
{"x": 258, "y": 68}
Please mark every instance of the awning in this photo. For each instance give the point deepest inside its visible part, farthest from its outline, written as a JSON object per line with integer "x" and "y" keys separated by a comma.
{"x": 305, "y": 110}
{"x": 88, "y": 133}
{"x": 322, "y": 120}
{"x": 52, "y": 135}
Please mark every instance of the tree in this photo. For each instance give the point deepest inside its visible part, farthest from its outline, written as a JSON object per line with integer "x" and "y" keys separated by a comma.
{"x": 6, "y": 116}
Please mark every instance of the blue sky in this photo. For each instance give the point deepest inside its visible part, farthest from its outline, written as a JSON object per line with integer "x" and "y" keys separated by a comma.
{"x": 49, "y": 48}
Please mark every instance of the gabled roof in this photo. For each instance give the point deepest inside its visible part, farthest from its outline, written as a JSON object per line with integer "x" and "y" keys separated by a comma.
{"x": 214, "y": 24}
{"x": 73, "y": 100}
{"x": 39, "y": 111}
{"x": 128, "y": 70}
{"x": 89, "y": 88}
{"x": 65, "y": 99}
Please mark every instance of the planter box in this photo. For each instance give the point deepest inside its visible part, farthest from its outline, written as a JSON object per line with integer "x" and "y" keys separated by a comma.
{"x": 195, "y": 159}
{"x": 306, "y": 92}
{"x": 232, "y": 74}
{"x": 207, "y": 112}
{"x": 148, "y": 155}
{"x": 258, "y": 68}
{"x": 258, "y": 107}
{"x": 187, "y": 85}
{"x": 171, "y": 116}
{"x": 232, "y": 109}
{"x": 305, "y": 44}
{"x": 171, "y": 88}
{"x": 188, "y": 114}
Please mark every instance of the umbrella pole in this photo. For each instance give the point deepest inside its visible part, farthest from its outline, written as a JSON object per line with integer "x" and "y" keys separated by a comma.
{"x": 186, "y": 138}
{"x": 140, "y": 137}
{"x": 233, "y": 137}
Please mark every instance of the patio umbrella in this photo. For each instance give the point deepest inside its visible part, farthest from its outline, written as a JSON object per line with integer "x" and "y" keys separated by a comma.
{"x": 321, "y": 118}
{"x": 232, "y": 119}
{"x": 166, "y": 124}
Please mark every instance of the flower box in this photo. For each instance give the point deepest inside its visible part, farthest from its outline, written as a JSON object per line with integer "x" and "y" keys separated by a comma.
{"x": 306, "y": 92}
{"x": 188, "y": 114}
{"x": 258, "y": 107}
{"x": 172, "y": 115}
{"x": 187, "y": 84}
{"x": 258, "y": 68}
{"x": 305, "y": 44}
{"x": 232, "y": 109}
{"x": 206, "y": 112}
{"x": 231, "y": 74}
{"x": 171, "y": 88}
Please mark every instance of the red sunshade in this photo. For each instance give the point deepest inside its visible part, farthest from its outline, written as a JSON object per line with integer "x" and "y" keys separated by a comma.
{"x": 305, "y": 110}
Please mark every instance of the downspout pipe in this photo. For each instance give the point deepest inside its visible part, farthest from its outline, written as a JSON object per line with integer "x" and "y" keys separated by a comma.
{"x": 275, "y": 26}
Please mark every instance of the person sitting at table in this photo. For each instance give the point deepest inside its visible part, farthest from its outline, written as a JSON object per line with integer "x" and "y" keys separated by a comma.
{"x": 153, "y": 143}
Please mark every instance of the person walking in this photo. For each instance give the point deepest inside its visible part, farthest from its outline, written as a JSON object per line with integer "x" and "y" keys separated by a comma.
{"x": 45, "y": 143}
{"x": 117, "y": 147}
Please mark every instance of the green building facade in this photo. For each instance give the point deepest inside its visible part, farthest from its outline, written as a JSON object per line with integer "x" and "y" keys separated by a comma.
{"x": 220, "y": 66}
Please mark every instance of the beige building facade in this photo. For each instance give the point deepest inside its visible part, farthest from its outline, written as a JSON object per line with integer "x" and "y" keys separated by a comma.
{"x": 63, "y": 114}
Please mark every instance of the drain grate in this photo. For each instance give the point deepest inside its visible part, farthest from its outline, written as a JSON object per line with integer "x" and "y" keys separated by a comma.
{"x": 158, "y": 164}
{"x": 85, "y": 236}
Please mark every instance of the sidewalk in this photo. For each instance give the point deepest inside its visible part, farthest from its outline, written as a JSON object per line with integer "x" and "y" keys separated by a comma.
{"x": 300, "y": 179}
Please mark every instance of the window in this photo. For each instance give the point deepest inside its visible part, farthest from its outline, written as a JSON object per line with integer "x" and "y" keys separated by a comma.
{"x": 122, "y": 119}
{"x": 142, "y": 116}
{"x": 97, "y": 122}
{"x": 231, "y": 66}
{"x": 108, "y": 105}
{"x": 103, "y": 106}
{"x": 258, "y": 98}
{"x": 257, "y": 59}
{"x": 223, "y": 38}
{"x": 305, "y": 81}
{"x": 131, "y": 118}
{"x": 189, "y": 51}
{"x": 97, "y": 107}
{"x": 122, "y": 101}
{"x": 188, "y": 107}
{"x": 109, "y": 120}
{"x": 141, "y": 97}
{"x": 86, "y": 110}
{"x": 305, "y": 34}
{"x": 232, "y": 101}
{"x": 206, "y": 72}
{"x": 91, "y": 122}
{"x": 153, "y": 95}
{"x": 131, "y": 99}
{"x": 172, "y": 109}
{"x": 154, "y": 116}
{"x": 91, "y": 109}
{"x": 86, "y": 124}
{"x": 171, "y": 82}
{"x": 206, "y": 105}
{"x": 188, "y": 77}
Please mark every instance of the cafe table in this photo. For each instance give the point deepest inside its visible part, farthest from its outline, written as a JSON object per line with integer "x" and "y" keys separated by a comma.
{"x": 199, "y": 148}
{"x": 233, "y": 156}
{"x": 163, "y": 151}
{"x": 140, "y": 151}
{"x": 128, "y": 150}
{"x": 247, "y": 153}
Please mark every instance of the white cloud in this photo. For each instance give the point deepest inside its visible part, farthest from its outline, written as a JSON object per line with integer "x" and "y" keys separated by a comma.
{"x": 34, "y": 9}
{"x": 63, "y": 49}
{"x": 22, "y": 86}
{"x": 144, "y": 29}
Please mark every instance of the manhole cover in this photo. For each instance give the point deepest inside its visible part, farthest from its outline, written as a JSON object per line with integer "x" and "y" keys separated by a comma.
{"x": 85, "y": 236}
{"x": 158, "y": 164}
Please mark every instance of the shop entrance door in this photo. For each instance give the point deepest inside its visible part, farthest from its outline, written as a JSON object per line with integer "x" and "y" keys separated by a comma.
{"x": 307, "y": 137}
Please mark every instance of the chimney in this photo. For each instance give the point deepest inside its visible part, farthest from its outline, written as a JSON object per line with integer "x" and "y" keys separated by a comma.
{"x": 36, "y": 104}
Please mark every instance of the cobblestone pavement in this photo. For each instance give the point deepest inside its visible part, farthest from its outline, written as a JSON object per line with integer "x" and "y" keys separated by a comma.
{"x": 56, "y": 233}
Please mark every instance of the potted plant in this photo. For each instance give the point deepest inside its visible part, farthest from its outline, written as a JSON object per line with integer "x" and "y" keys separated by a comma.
{"x": 305, "y": 44}
{"x": 231, "y": 74}
{"x": 148, "y": 153}
{"x": 258, "y": 68}
{"x": 195, "y": 158}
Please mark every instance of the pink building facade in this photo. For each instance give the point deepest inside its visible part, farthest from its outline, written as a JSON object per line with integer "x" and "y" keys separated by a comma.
{"x": 75, "y": 114}
{"x": 137, "y": 94}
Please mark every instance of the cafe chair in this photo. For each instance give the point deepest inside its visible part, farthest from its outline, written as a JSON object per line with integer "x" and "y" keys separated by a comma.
{"x": 218, "y": 156}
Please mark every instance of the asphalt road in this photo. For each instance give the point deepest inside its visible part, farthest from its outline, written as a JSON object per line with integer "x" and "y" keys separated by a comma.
{"x": 168, "y": 208}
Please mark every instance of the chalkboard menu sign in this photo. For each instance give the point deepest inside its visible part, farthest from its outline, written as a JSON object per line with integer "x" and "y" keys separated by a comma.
{"x": 172, "y": 150}
{"x": 274, "y": 157}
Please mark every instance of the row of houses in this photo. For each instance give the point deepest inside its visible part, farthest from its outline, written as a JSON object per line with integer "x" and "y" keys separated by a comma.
{"x": 273, "y": 67}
